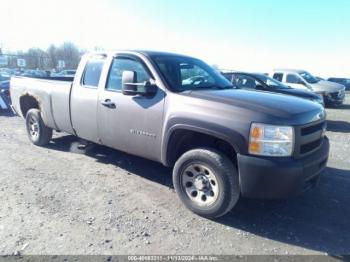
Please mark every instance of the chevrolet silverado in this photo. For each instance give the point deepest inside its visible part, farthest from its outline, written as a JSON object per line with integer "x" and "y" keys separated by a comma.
{"x": 222, "y": 142}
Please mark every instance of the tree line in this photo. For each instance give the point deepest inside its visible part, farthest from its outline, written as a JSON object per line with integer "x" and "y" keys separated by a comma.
{"x": 37, "y": 58}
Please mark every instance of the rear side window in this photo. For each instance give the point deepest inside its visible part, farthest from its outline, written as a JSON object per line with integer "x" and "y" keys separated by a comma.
{"x": 293, "y": 79}
{"x": 92, "y": 72}
{"x": 278, "y": 76}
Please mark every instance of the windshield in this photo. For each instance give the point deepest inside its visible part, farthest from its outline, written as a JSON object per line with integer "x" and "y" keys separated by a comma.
{"x": 309, "y": 78}
{"x": 185, "y": 73}
{"x": 271, "y": 82}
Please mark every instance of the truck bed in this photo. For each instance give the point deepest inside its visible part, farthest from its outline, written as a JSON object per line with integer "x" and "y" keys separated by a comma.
{"x": 53, "y": 96}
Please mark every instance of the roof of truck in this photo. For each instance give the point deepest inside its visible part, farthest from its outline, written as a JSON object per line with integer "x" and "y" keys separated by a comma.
{"x": 289, "y": 70}
{"x": 143, "y": 52}
{"x": 157, "y": 53}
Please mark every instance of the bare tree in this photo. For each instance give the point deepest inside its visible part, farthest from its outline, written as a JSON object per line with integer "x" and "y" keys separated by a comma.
{"x": 70, "y": 54}
{"x": 52, "y": 55}
{"x": 36, "y": 58}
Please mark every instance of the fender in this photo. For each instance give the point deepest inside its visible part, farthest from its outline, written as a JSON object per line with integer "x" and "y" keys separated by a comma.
{"x": 47, "y": 115}
{"x": 231, "y": 140}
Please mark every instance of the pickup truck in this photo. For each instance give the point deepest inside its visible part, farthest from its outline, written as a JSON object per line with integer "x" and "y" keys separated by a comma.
{"x": 333, "y": 93}
{"x": 222, "y": 142}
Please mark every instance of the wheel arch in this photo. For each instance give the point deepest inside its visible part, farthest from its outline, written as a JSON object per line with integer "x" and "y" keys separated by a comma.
{"x": 181, "y": 138}
{"x": 28, "y": 101}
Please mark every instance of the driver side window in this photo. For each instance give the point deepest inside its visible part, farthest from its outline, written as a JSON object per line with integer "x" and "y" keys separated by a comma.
{"x": 120, "y": 64}
{"x": 293, "y": 79}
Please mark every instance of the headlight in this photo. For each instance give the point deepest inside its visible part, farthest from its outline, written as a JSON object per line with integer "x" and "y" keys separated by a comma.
{"x": 269, "y": 140}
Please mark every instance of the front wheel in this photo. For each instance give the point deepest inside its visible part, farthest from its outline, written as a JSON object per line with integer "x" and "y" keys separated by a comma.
{"x": 39, "y": 134}
{"x": 207, "y": 182}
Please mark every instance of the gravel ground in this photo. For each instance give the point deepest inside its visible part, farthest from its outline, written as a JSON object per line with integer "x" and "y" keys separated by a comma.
{"x": 61, "y": 200}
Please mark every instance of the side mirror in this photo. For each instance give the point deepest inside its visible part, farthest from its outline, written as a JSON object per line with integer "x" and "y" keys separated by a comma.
{"x": 130, "y": 87}
{"x": 128, "y": 83}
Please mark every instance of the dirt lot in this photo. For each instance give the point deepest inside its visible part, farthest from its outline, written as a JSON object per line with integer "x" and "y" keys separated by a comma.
{"x": 59, "y": 200}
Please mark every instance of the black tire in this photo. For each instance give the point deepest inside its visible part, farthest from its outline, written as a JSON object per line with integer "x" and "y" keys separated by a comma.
{"x": 43, "y": 133}
{"x": 226, "y": 176}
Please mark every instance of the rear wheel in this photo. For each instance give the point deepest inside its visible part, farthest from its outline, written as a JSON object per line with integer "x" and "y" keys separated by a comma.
{"x": 39, "y": 134}
{"x": 206, "y": 181}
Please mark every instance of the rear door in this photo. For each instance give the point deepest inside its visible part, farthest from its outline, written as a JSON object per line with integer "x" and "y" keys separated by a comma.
{"x": 84, "y": 98}
{"x": 131, "y": 124}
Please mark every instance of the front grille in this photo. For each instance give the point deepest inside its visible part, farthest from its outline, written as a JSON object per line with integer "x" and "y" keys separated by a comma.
{"x": 311, "y": 129}
{"x": 309, "y": 138}
{"x": 334, "y": 95}
{"x": 337, "y": 95}
{"x": 310, "y": 146}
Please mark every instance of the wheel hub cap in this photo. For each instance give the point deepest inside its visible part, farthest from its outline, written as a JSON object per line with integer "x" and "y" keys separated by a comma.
{"x": 33, "y": 127}
{"x": 200, "y": 184}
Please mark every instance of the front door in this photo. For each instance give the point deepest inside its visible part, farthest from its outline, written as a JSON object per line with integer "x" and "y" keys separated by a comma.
{"x": 131, "y": 124}
{"x": 295, "y": 81}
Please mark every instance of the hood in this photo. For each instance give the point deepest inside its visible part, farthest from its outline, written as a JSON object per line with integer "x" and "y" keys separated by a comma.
{"x": 327, "y": 86}
{"x": 298, "y": 92}
{"x": 276, "y": 108}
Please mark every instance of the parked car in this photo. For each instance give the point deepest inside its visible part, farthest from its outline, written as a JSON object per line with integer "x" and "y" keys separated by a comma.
{"x": 4, "y": 76}
{"x": 333, "y": 93}
{"x": 34, "y": 73}
{"x": 222, "y": 142}
{"x": 262, "y": 82}
{"x": 3, "y": 104}
{"x": 342, "y": 81}
{"x": 4, "y": 83}
{"x": 4, "y": 90}
{"x": 66, "y": 73}
{"x": 6, "y": 71}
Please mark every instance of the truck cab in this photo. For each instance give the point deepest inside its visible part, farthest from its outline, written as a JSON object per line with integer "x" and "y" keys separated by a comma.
{"x": 102, "y": 113}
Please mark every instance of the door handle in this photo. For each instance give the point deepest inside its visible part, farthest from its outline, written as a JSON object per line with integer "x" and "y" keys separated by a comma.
{"x": 108, "y": 103}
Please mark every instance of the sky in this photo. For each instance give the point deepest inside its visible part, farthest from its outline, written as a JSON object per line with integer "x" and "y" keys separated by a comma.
{"x": 246, "y": 35}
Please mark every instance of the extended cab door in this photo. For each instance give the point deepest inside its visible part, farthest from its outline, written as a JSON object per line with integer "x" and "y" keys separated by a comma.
{"x": 131, "y": 124}
{"x": 84, "y": 98}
